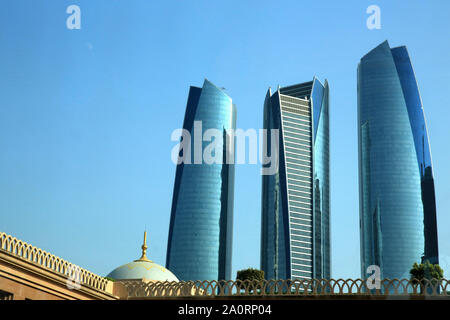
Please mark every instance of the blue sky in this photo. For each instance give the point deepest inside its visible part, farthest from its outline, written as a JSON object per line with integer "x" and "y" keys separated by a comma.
{"x": 86, "y": 115}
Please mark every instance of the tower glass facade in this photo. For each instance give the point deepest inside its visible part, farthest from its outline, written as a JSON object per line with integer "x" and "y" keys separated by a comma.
{"x": 200, "y": 232}
{"x": 295, "y": 242}
{"x": 397, "y": 201}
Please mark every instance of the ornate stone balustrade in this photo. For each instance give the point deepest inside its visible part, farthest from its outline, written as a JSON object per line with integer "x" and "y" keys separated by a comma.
{"x": 76, "y": 275}
{"x": 267, "y": 288}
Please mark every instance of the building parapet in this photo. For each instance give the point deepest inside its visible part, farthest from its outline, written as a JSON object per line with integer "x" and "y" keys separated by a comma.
{"x": 55, "y": 267}
{"x": 311, "y": 288}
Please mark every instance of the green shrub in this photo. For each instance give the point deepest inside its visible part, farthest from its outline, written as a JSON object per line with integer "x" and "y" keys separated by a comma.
{"x": 250, "y": 274}
{"x": 426, "y": 271}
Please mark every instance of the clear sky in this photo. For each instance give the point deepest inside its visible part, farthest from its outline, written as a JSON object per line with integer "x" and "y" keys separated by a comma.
{"x": 86, "y": 115}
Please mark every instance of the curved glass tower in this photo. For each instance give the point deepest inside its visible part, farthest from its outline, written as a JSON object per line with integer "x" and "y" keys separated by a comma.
{"x": 295, "y": 237}
{"x": 397, "y": 201}
{"x": 200, "y": 232}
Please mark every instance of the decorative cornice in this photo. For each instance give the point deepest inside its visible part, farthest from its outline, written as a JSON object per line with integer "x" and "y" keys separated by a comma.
{"x": 49, "y": 262}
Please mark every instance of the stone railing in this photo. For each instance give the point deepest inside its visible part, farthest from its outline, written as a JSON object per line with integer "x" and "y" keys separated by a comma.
{"x": 75, "y": 275}
{"x": 271, "y": 288}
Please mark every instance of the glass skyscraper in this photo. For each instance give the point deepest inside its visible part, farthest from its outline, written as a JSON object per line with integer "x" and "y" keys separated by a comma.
{"x": 397, "y": 200}
{"x": 201, "y": 222}
{"x": 295, "y": 241}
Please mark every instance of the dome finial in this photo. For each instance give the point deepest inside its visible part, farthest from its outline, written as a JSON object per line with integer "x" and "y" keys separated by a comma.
{"x": 144, "y": 249}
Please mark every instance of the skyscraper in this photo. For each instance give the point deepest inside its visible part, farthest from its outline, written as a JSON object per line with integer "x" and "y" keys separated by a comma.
{"x": 295, "y": 241}
{"x": 200, "y": 232}
{"x": 397, "y": 201}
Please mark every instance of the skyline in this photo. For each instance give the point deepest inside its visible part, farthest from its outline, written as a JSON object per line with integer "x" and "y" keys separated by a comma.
{"x": 78, "y": 151}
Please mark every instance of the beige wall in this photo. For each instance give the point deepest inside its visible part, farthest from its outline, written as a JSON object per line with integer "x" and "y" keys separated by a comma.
{"x": 26, "y": 280}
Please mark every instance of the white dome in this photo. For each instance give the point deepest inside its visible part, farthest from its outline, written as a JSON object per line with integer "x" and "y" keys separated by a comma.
{"x": 142, "y": 268}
